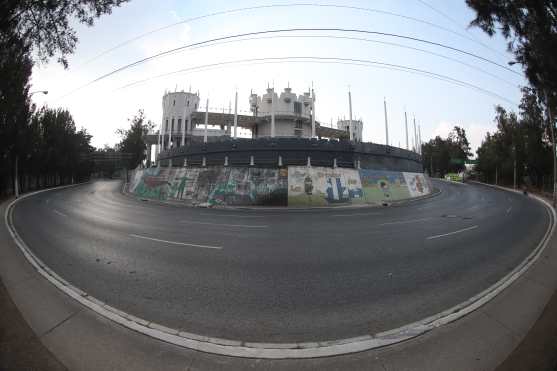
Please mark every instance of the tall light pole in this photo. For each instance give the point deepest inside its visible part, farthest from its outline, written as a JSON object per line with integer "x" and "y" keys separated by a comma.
{"x": 206, "y": 121}
{"x": 406, "y": 126}
{"x": 552, "y": 129}
{"x": 350, "y": 115}
{"x": 16, "y": 160}
{"x": 386, "y": 122}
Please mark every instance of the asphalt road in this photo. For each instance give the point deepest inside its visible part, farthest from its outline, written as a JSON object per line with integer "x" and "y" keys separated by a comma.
{"x": 281, "y": 275}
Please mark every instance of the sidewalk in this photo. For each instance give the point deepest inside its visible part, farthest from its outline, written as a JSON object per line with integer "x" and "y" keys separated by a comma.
{"x": 20, "y": 349}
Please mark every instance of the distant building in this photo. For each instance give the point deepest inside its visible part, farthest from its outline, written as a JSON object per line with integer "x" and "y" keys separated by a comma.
{"x": 184, "y": 115}
{"x": 355, "y": 127}
{"x": 292, "y": 114}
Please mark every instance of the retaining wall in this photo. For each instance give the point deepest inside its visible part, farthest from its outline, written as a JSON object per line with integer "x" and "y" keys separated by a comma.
{"x": 287, "y": 186}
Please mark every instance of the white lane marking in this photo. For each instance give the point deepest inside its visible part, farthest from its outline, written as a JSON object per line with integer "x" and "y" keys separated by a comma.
{"x": 451, "y": 233}
{"x": 235, "y": 215}
{"x": 356, "y": 214}
{"x": 406, "y": 221}
{"x": 225, "y": 225}
{"x": 59, "y": 213}
{"x": 425, "y": 207}
{"x": 509, "y": 209}
{"x": 174, "y": 242}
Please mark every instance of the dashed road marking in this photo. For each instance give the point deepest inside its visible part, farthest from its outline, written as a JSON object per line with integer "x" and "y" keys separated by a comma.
{"x": 225, "y": 225}
{"x": 406, "y": 221}
{"x": 509, "y": 209}
{"x": 235, "y": 215}
{"x": 451, "y": 233}
{"x": 356, "y": 214}
{"x": 60, "y": 213}
{"x": 175, "y": 242}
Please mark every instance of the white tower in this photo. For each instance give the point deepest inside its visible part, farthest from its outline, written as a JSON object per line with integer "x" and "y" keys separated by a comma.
{"x": 177, "y": 108}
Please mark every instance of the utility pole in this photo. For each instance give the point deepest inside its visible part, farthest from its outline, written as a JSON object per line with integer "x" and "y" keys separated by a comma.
{"x": 235, "y": 114}
{"x": 415, "y": 137}
{"x": 206, "y": 121}
{"x": 420, "y": 138}
{"x": 386, "y": 122}
{"x": 313, "y": 133}
{"x": 552, "y": 129}
{"x": 406, "y": 127}
{"x": 514, "y": 168}
{"x": 273, "y": 112}
{"x": 350, "y": 113}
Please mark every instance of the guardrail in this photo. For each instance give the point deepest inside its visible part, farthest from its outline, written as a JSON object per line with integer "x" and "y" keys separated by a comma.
{"x": 273, "y": 152}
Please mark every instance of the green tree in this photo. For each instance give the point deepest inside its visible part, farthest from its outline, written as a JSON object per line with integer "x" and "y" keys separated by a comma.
{"x": 441, "y": 156}
{"x": 521, "y": 143}
{"x": 45, "y": 26}
{"x": 33, "y": 30}
{"x": 531, "y": 30}
{"x": 133, "y": 139}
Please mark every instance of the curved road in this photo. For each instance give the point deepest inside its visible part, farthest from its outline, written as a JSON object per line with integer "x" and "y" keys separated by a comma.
{"x": 281, "y": 275}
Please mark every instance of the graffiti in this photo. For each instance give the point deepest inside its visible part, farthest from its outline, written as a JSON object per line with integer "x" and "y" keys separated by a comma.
{"x": 320, "y": 186}
{"x": 417, "y": 184}
{"x": 292, "y": 186}
{"x": 379, "y": 186}
{"x": 153, "y": 183}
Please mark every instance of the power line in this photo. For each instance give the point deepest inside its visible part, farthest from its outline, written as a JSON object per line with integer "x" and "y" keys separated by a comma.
{"x": 235, "y": 36}
{"x": 270, "y": 6}
{"x": 359, "y": 39}
{"x": 331, "y": 60}
{"x": 455, "y": 22}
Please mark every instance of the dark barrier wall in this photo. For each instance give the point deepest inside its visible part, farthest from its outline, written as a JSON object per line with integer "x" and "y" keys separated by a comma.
{"x": 293, "y": 152}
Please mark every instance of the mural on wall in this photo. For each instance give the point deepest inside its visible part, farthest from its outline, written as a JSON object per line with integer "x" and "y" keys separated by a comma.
{"x": 292, "y": 186}
{"x": 183, "y": 184}
{"x": 417, "y": 184}
{"x": 379, "y": 186}
{"x": 320, "y": 186}
{"x": 269, "y": 186}
{"x": 153, "y": 184}
{"x": 135, "y": 179}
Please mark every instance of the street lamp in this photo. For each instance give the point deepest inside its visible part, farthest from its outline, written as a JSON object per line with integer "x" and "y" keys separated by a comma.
{"x": 16, "y": 175}
{"x": 45, "y": 92}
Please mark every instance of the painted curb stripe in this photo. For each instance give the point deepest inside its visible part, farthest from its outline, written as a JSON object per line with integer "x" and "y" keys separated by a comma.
{"x": 281, "y": 350}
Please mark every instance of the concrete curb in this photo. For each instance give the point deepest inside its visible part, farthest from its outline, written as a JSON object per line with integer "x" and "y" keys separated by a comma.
{"x": 279, "y": 350}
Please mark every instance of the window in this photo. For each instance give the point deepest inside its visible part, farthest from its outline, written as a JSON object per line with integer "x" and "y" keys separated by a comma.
{"x": 187, "y": 103}
{"x": 196, "y": 106}
{"x": 186, "y": 124}
{"x": 173, "y": 124}
{"x": 166, "y": 126}
{"x": 298, "y": 107}
{"x": 180, "y": 124}
{"x": 299, "y": 124}
{"x": 174, "y": 102}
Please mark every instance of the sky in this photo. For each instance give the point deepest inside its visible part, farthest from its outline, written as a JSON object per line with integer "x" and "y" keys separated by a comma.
{"x": 437, "y": 105}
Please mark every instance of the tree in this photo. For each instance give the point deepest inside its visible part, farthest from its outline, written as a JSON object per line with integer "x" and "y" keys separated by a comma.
{"x": 133, "y": 139}
{"x": 442, "y": 156}
{"x": 531, "y": 30}
{"x": 521, "y": 143}
{"x": 32, "y": 29}
{"x": 45, "y": 25}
